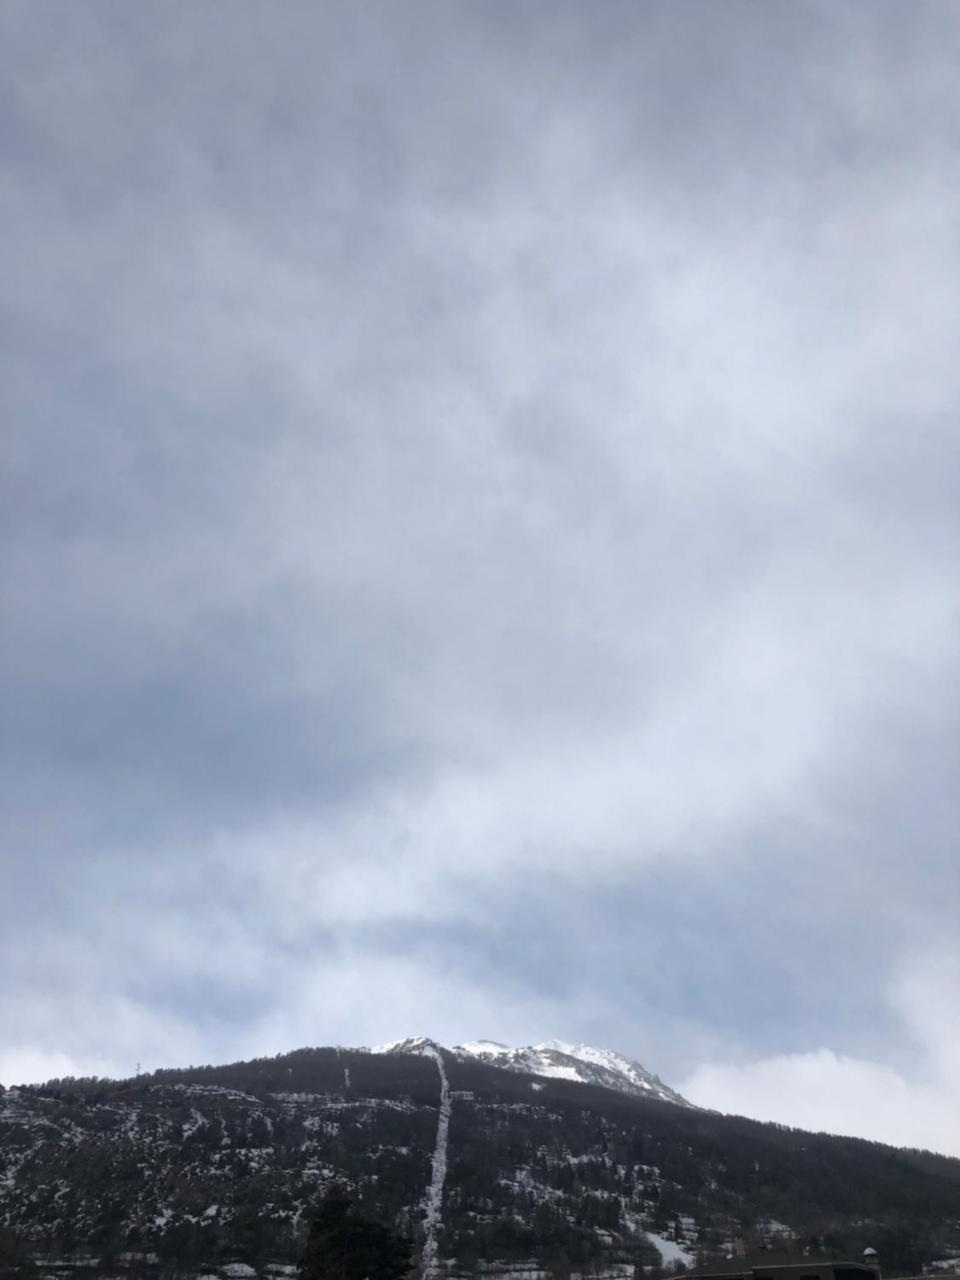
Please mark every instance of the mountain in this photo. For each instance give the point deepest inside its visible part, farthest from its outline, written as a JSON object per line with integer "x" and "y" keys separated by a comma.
{"x": 556, "y": 1060}
{"x": 214, "y": 1171}
{"x": 560, "y": 1061}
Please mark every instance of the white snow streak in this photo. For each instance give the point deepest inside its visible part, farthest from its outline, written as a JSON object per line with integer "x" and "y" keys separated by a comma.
{"x": 670, "y": 1251}
{"x": 438, "y": 1176}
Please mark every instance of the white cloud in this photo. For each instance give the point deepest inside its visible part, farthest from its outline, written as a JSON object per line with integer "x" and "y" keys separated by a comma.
{"x": 825, "y": 1091}
{"x": 30, "y": 1065}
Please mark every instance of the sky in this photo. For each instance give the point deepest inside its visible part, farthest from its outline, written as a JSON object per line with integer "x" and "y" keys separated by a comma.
{"x": 480, "y": 553}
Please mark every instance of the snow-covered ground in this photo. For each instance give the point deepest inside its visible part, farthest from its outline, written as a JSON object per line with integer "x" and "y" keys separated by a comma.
{"x": 670, "y": 1251}
{"x": 438, "y": 1173}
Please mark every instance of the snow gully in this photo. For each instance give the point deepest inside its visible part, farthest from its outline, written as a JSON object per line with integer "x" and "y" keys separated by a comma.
{"x": 438, "y": 1174}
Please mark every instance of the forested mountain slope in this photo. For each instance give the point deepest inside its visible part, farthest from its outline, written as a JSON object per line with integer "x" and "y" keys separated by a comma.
{"x": 210, "y": 1164}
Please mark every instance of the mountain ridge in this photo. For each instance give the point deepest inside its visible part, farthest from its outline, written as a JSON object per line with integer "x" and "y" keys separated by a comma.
{"x": 554, "y": 1059}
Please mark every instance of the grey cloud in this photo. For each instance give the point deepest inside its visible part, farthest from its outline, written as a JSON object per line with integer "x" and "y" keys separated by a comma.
{"x": 481, "y": 515}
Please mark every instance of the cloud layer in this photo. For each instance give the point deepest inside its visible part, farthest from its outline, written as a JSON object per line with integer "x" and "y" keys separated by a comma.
{"x": 481, "y": 540}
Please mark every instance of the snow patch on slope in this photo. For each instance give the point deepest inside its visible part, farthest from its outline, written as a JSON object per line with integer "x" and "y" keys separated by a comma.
{"x": 670, "y": 1251}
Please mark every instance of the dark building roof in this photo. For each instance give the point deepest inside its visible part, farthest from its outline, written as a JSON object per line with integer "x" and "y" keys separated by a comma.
{"x": 780, "y": 1266}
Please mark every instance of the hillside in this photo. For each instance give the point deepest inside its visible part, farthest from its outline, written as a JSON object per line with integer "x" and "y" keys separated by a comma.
{"x": 207, "y": 1165}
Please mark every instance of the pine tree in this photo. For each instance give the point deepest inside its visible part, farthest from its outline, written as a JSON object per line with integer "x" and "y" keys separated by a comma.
{"x": 343, "y": 1244}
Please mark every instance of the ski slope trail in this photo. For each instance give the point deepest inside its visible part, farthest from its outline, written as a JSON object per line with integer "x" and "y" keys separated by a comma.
{"x": 438, "y": 1173}
{"x": 346, "y": 1072}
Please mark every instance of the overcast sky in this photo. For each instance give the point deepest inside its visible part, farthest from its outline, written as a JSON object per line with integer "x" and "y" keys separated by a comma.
{"x": 481, "y": 539}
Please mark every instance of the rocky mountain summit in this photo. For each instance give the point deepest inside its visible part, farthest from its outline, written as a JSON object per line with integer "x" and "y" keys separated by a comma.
{"x": 556, "y": 1060}
{"x": 561, "y": 1061}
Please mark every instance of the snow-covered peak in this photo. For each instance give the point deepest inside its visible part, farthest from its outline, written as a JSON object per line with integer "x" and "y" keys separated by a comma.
{"x": 586, "y": 1052}
{"x": 412, "y": 1044}
{"x": 610, "y": 1060}
{"x": 560, "y": 1060}
{"x": 482, "y": 1048}
{"x": 554, "y": 1059}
